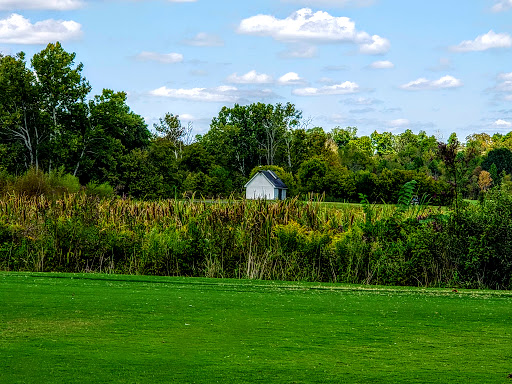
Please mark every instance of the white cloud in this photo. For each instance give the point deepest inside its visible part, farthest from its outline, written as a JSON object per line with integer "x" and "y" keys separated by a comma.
{"x": 503, "y": 88}
{"x": 399, "y": 123}
{"x": 166, "y": 58}
{"x": 18, "y": 30}
{"x": 187, "y": 116}
{"x": 221, "y": 94}
{"x": 506, "y": 76}
{"x": 204, "y": 40}
{"x": 377, "y": 46}
{"x": 333, "y": 3}
{"x": 502, "y": 5}
{"x": 251, "y": 77}
{"x": 490, "y": 40}
{"x": 290, "y": 78}
{"x": 54, "y": 5}
{"x": 313, "y": 27}
{"x": 338, "y": 89}
{"x": 444, "y": 82}
{"x": 384, "y": 64}
{"x": 502, "y": 124}
{"x": 218, "y": 94}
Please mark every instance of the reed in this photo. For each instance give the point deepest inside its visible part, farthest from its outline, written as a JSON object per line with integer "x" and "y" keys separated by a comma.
{"x": 282, "y": 240}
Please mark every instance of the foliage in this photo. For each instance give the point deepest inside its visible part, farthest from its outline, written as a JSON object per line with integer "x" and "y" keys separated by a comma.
{"x": 406, "y": 194}
{"x": 284, "y": 240}
{"x": 501, "y": 158}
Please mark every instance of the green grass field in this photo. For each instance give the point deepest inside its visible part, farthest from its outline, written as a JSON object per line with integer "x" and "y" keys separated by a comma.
{"x": 63, "y": 328}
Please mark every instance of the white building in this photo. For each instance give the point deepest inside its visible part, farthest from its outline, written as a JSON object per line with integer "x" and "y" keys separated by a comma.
{"x": 265, "y": 185}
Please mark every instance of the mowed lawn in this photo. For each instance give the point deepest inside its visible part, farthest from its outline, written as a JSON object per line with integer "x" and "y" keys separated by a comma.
{"x": 63, "y": 328}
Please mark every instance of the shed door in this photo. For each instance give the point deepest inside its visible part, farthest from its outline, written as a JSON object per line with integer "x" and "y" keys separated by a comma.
{"x": 279, "y": 194}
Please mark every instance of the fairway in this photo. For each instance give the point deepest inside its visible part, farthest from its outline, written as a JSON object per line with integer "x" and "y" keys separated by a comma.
{"x": 64, "y": 328}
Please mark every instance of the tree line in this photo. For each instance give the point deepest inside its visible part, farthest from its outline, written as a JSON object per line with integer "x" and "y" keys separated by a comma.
{"x": 49, "y": 122}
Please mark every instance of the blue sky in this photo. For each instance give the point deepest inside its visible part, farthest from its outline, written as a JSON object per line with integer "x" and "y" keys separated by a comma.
{"x": 385, "y": 65}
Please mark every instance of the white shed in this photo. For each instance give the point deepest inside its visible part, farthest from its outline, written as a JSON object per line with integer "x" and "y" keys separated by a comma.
{"x": 265, "y": 185}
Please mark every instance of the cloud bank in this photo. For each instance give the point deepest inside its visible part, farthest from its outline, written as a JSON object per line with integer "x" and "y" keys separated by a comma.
{"x": 490, "y": 40}
{"x": 345, "y": 88}
{"x": 54, "y": 5}
{"x": 445, "y": 82}
{"x": 306, "y": 26}
{"x": 251, "y": 77}
{"x": 166, "y": 58}
{"x": 16, "y": 29}
{"x": 502, "y": 5}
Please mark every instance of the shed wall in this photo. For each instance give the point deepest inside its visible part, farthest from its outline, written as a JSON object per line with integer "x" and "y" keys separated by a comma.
{"x": 260, "y": 188}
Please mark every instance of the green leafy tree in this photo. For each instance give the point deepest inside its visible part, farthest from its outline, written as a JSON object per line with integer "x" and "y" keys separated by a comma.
{"x": 60, "y": 86}
{"x": 449, "y": 154}
{"x": 196, "y": 158}
{"x": 357, "y": 155}
{"x": 243, "y": 137}
{"x": 311, "y": 176}
{"x": 113, "y": 131}
{"x": 220, "y": 182}
{"x": 20, "y": 110}
{"x": 141, "y": 176}
{"x": 343, "y": 136}
{"x": 501, "y": 157}
{"x": 383, "y": 143}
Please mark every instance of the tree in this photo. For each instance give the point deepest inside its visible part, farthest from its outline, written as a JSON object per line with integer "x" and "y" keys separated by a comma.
{"x": 357, "y": 155}
{"x": 112, "y": 132}
{"x": 60, "y": 86}
{"x": 478, "y": 143}
{"x": 312, "y": 175}
{"x": 169, "y": 127}
{"x": 449, "y": 154}
{"x": 342, "y": 136}
{"x": 60, "y": 83}
{"x": 196, "y": 158}
{"x": 243, "y": 137}
{"x": 484, "y": 181}
{"x": 141, "y": 177}
{"x": 501, "y": 157}
{"x": 20, "y": 118}
{"x": 278, "y": 122}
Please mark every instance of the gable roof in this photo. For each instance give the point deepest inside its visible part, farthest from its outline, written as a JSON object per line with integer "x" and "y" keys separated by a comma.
{"x": 272, "y": 179}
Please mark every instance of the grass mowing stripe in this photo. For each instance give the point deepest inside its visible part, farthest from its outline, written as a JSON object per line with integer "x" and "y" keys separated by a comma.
{"x": 255, "y": 284}
{"x": 126, "y": 329}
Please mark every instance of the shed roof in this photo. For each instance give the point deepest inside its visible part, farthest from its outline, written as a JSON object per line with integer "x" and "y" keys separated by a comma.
{"x": 271, "y": 177}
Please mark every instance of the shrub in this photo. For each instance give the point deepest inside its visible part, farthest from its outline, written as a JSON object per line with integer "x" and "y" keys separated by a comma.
{"x": 61, "y": 183}
{"x": 103, "y": 191}
{"x": 33, "y": 183}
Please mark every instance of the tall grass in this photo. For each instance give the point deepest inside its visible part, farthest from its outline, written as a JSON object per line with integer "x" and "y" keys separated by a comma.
{"x": 284, "y": 240}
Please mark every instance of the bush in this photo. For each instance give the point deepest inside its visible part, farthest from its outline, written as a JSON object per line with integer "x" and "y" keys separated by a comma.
{"x": 61, "y": 183}
{"x": 37, "y": 183}
{"x": 103, "y": 191}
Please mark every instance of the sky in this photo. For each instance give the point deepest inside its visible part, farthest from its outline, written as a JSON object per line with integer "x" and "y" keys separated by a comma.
{"x": 385, "y": 65}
